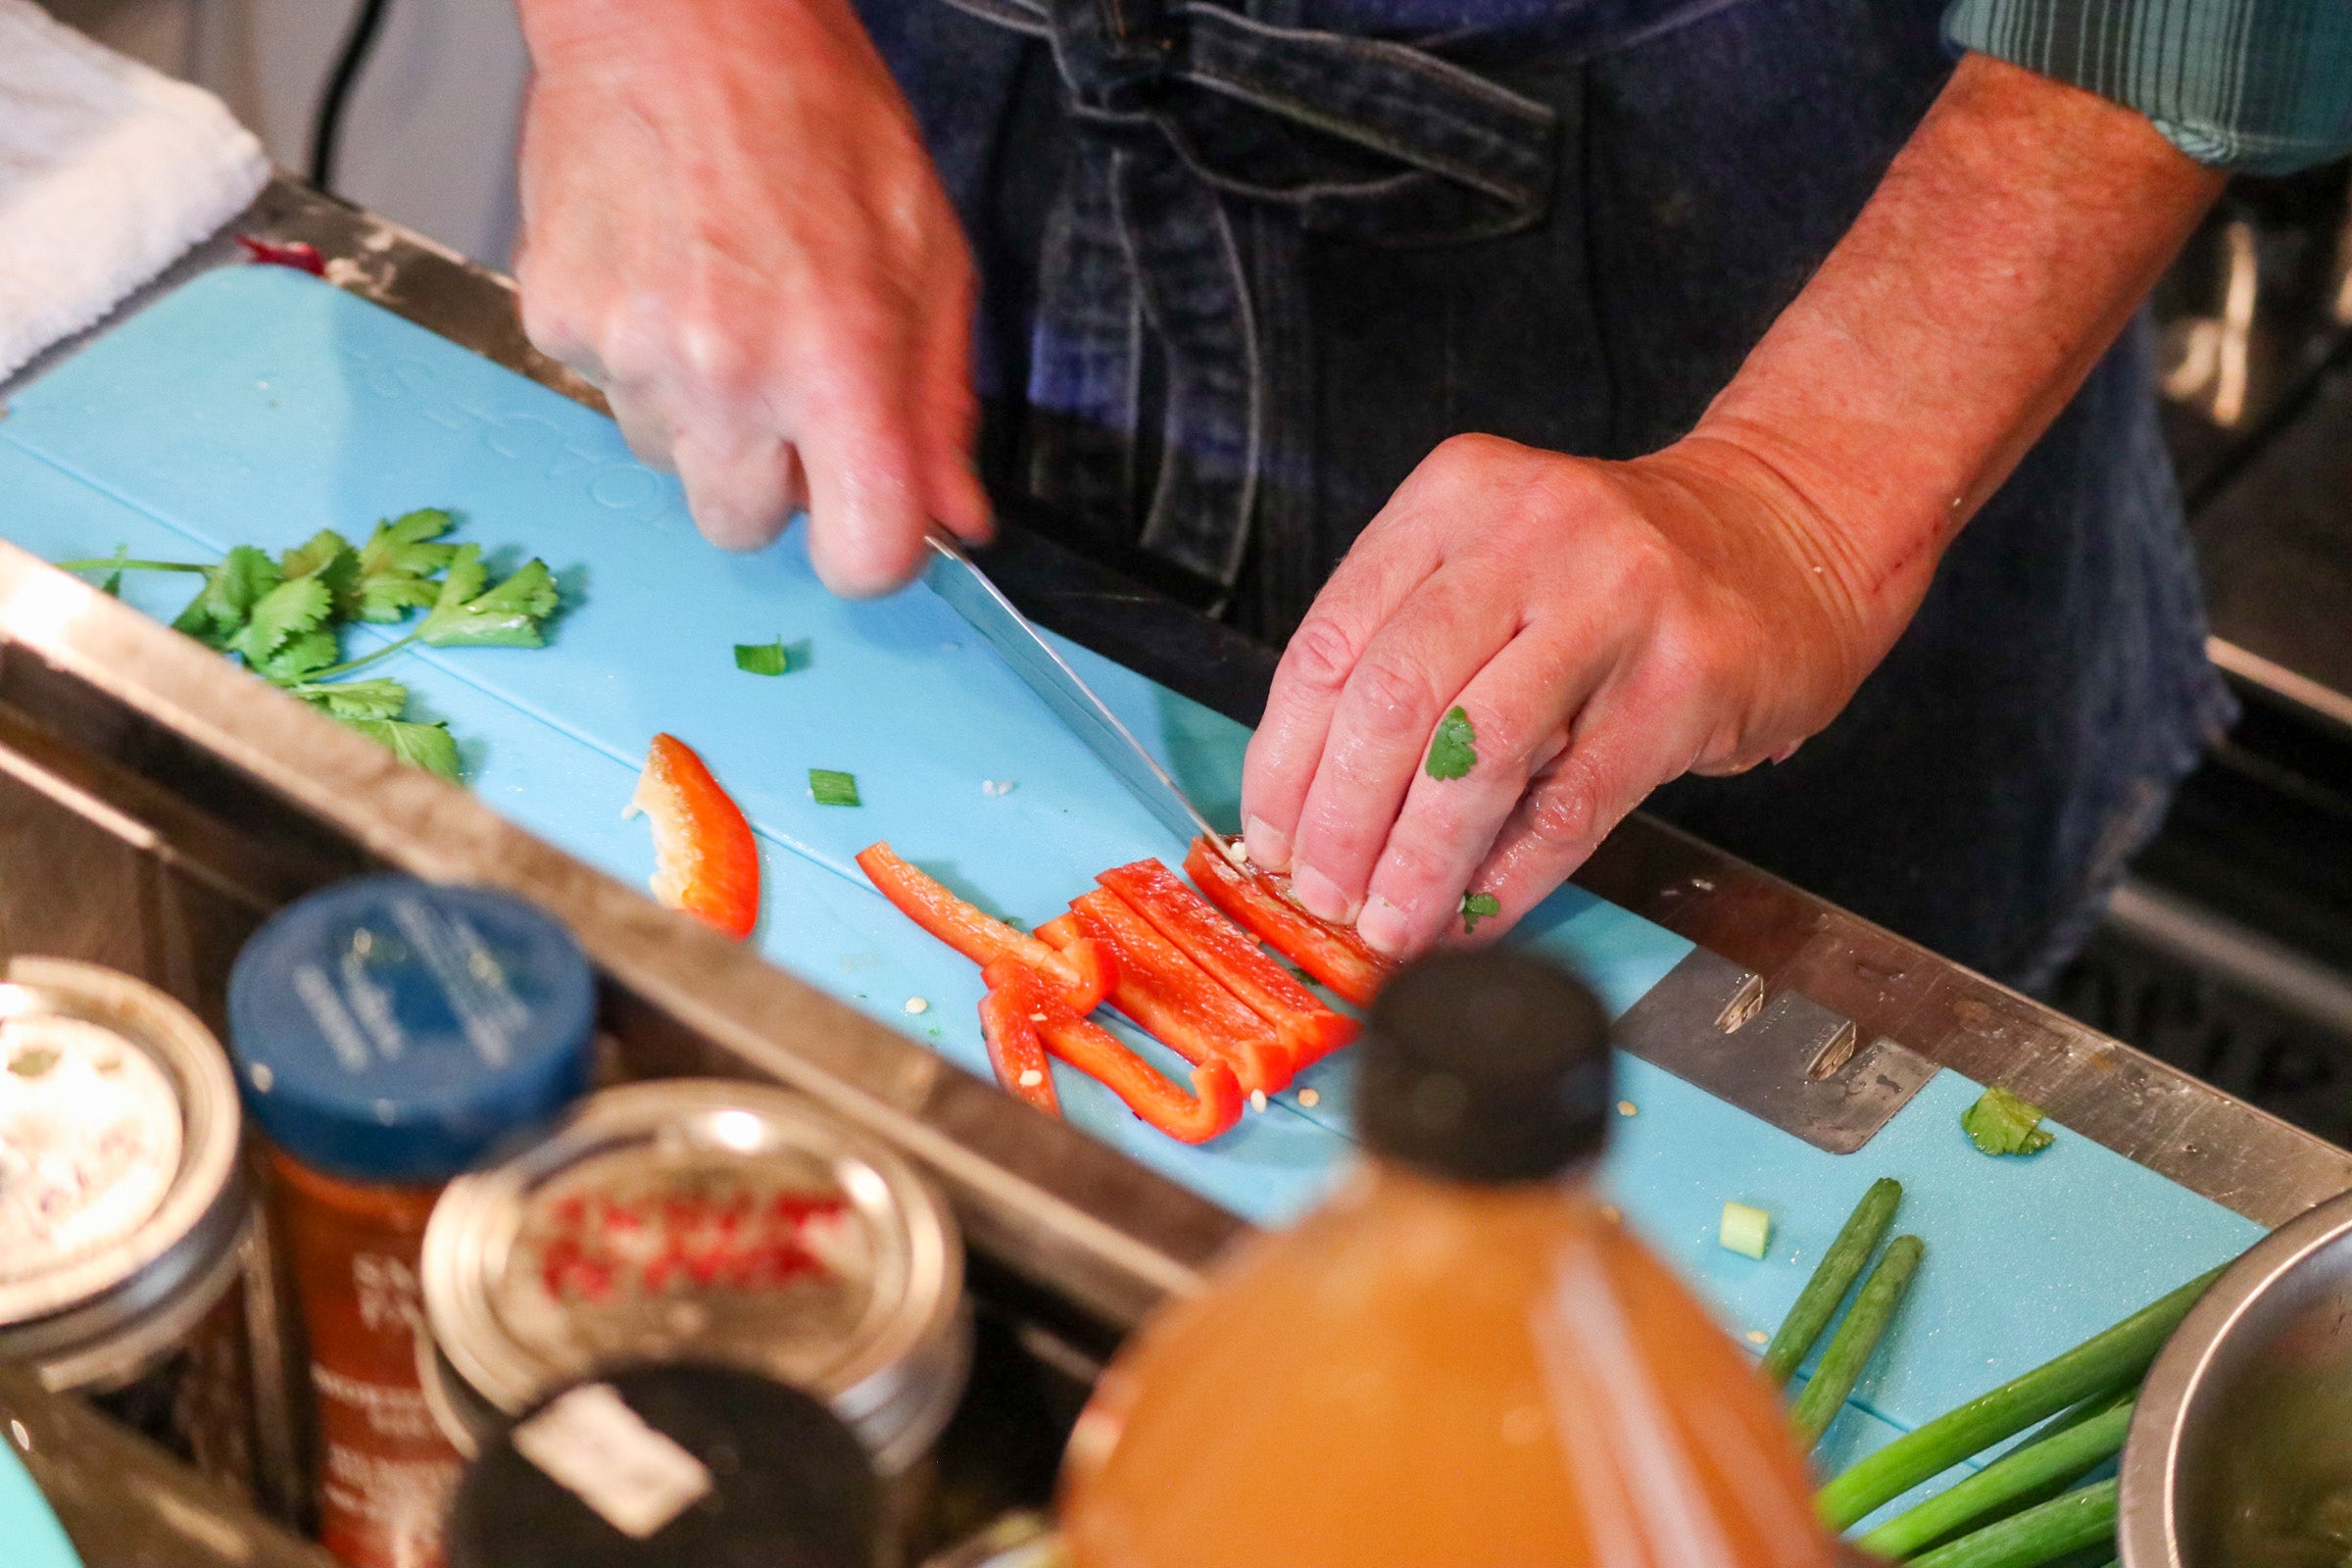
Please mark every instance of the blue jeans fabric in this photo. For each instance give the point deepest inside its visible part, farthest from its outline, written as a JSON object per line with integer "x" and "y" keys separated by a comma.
{"x": 1245, "y": 266}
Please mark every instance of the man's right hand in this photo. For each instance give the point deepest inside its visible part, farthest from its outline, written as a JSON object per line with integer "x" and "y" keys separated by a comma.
{"x": 730, "y": 224}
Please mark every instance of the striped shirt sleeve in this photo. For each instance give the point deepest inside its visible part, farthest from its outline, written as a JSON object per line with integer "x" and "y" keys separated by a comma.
{"x": 2259, "y": 86}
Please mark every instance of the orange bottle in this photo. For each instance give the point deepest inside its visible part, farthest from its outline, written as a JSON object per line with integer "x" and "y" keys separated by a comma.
{"x": 1462, "y": 1359}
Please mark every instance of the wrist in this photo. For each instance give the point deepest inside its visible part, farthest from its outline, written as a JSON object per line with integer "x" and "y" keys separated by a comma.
{"x": 1778, "y": 545}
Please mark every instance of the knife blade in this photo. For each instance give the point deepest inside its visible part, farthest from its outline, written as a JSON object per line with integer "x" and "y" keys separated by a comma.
{"x": 952, "y": 575}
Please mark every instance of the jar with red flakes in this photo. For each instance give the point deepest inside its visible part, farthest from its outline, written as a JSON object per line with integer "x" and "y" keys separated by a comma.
{"x": 701, "y": 1220}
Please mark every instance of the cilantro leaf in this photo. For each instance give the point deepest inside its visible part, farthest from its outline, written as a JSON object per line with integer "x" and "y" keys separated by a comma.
{"x": 217, "y": 614}
{"x": 465, "y": 614}
{"x": 301, "y": 655}
{"x": 290, "y": 610}
{"x": 2000, "y": 1123}
{"x": 356, "y": 698}
{"x": 1477, "y": 906}
{"x": 395, "y": 564}
{"x": 762, "y": 659}
{"x": 328, "y": 557}
{"x": 831, "y": 788}
{"x": 427, "y": 746}
{"x": 1452, "y": 750}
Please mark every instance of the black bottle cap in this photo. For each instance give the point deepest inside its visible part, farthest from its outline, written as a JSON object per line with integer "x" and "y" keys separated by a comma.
{"x": 1484, "y": 1066}
{"x": 782, "y": 1481}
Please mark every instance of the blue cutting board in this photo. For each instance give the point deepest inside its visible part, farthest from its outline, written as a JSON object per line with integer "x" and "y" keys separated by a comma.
{"x": 256, "y": 405}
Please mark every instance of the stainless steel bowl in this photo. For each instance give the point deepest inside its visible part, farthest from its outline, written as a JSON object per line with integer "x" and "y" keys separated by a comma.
{"x": 2240, "y": 1450}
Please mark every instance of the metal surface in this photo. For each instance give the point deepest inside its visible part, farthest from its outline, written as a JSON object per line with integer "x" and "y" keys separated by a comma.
{"x": 870, "y": 1315}
{"x": 984, "y": 606}
{"x": 1791, "y": 1061}
{"x": 1058, "y": 1207}
{"x": 2239, "y": 1427}
{"x": 2157, "y": 1116}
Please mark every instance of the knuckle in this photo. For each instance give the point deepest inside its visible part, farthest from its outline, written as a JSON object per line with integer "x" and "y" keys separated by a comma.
{"x": 1320, "y": 654}
{"x": 1390, "y": 689}
{"x": 1564, "y": 814}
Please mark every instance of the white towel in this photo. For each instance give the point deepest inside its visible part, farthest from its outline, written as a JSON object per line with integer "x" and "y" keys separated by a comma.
{"x": 108, "y": 171}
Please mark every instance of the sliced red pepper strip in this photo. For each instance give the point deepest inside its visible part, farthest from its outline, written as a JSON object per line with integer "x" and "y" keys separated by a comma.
{"x": 298, "y": 254}
{"x": 704, "y": 859}
{"x": 1179, "y": 1003}
{"x": 1015, "y": 1048}
{"x": 1082, "y": 978}
{"x": 1061, "y": 931}
{"x": 1332, "y": 954}
{"x": 1311, "y": 1029}
{"x": 1212, "y": 1108}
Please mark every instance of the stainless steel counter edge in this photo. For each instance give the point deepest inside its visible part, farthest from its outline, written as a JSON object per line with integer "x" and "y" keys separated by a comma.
{"x": 1892, "y": 989}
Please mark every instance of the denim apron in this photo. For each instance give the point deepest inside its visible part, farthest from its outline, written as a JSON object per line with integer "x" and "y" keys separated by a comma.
{"x": 1244, "y": 263}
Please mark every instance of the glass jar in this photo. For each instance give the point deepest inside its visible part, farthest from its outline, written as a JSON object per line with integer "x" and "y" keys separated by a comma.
{"x": 388, "y": 1034}
{"x": 708, "y": 1220}
{"x": 683, "y": 1466}
{"x": 128, "y": 1268}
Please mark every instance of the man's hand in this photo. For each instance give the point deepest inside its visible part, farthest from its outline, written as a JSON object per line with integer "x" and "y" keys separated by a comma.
{"x": 1607, "y": 627}
{"x": 730, "y": 224}
{"x": 1604, "y": 628}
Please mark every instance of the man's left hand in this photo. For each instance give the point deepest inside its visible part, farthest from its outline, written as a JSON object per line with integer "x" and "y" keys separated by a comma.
{"x": 1605, "y": 626}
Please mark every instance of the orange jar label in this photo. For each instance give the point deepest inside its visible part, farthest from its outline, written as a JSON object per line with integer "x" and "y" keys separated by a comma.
{"x": 386, "y": 1471}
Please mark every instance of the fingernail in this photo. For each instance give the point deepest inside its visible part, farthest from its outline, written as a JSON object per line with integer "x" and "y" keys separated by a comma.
{"x": 1269, "y": 846}
{"x": 1382, "y": 924}
{"x": 1321, "y": 896}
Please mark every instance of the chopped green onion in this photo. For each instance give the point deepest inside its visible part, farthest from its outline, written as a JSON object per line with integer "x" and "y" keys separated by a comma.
{"x": 762, "y": 659}
{"x": 2000, "y": 1123}
{"x": 1850, "y": 1346}
{"x": 1744, "y": 1230}
{"x": 832, "y": 788}
{"x": 1837, "y": 1270}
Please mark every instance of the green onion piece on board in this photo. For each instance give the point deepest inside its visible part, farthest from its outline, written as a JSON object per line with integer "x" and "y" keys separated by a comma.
{"x": 762, "y": 659}
{"x": 2000, "y": 1123}
{"x": 2040, "y": 1535}
{"x": 1837, "y": 1271}
{"x": 2059, "y": 1459}
{"x": 1850, "y": 1346}
{"x": 830, "y": 788}
{"x": 2101, "y": 1362}
{"x": 1745, "y": 1229}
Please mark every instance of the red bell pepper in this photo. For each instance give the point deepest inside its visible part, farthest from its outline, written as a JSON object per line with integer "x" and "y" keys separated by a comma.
{"x": 704, "y": 859}
{"x": 1061, "y": 931}
{"x": 1083, "y": 973}
{"x": 1311, "y": 1029}
{"x": 1332, "y": 954}
{"x": 1212, "y": 1108}
{"x": 1014, "y": 1048}
{"x": 1179, "y": 1002}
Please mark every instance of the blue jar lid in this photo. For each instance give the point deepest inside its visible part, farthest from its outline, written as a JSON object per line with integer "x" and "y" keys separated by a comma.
{"x": 391, "y": 1030}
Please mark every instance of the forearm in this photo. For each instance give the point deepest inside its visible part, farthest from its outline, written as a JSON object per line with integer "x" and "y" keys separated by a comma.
{"x": 2004, "y": 251}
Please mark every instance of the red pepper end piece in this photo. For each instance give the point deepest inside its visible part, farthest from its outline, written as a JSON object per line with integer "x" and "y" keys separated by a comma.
{"x": 1211, "y": 1109}
{"x": 1332, "y": 954}
{"x": 1311, "y": 1029}
{"x": 1179, "y": 1002}
{"x": 705, "y": 860}
{"x": 1082, "y": 979}
{"x": 1015, "y": 1048}
{"x": 300, "y": 255}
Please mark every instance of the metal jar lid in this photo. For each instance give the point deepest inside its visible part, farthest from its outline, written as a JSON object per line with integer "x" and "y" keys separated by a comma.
{"x": 706, "y": 1220}
{"x": 122, "y": 1206}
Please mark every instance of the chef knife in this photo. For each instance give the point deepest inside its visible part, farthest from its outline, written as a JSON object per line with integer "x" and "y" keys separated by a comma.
{"x": 965, "y": 587}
